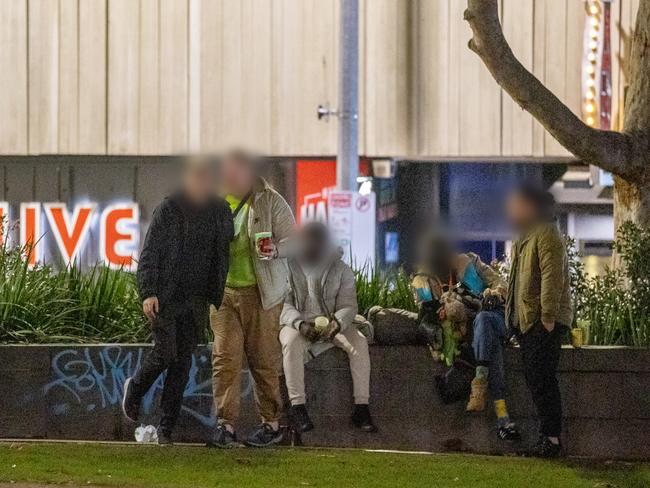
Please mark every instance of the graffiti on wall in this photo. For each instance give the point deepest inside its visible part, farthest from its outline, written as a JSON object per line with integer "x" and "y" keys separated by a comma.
{"x": 92, "y": 378}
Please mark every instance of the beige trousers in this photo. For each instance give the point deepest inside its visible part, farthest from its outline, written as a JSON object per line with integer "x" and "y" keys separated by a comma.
{"x": 294, "y": 346}
{"x": 243, "y": 329}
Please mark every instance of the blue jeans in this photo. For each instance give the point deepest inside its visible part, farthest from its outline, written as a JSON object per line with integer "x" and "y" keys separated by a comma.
{"x": 489, "y": 334}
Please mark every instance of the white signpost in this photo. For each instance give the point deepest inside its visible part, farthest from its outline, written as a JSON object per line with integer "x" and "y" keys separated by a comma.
{"x": 352, "y": 221}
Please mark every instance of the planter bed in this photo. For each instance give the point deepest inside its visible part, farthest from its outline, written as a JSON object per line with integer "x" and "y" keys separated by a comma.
{"x": 74, "y": 392}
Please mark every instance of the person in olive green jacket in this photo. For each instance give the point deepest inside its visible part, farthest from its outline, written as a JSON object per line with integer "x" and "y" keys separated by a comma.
{"x": 538, "y": 306}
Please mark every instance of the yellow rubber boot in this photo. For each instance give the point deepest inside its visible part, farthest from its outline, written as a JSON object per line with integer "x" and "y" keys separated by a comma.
{"x": 478, "y": 396}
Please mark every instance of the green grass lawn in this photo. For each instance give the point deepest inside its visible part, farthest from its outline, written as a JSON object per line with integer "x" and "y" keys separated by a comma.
{"x": 138, "y": 466}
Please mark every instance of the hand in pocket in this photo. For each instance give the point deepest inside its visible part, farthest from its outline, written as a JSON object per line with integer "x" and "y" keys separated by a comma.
{"x": 548, "y": 326}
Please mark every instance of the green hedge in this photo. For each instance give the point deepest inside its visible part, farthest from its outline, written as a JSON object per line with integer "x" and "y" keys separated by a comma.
{"x": 43, "y": 304}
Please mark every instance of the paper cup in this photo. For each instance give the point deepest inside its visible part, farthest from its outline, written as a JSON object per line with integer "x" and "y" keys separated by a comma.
{"x": 321, "y": 323}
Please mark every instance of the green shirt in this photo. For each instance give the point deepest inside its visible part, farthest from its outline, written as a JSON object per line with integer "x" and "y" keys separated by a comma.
{"x": 241, "y": 272}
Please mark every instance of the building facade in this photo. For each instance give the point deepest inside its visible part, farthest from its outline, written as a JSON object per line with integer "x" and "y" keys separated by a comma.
{"x": 100, "y": 95}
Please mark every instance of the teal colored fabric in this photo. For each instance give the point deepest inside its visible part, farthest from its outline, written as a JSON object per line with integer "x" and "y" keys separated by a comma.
{"x": 424, "y": 294}
{"x": 472, "y": 280}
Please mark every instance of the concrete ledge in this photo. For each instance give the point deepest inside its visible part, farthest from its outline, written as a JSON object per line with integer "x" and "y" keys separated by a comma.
{"x": 73, "y": 392}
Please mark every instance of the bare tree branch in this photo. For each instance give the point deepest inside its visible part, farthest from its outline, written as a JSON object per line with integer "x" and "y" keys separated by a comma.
{"x": 609, "y": 150}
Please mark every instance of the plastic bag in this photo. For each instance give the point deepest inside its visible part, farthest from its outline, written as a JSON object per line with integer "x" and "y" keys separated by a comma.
{"x": 146, "y": 434}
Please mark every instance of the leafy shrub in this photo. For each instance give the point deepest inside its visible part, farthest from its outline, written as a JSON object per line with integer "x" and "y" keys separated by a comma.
{"x": 386, "y": 289}
{"x": 44, "y": 305}
{"x": 615, "y": 307}
{"x": 577, "y": 275}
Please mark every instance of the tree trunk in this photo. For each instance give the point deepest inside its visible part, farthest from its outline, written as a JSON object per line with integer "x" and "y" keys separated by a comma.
{"x": 632, "y": 195}
{"x": 631, "y": 202}
{"x": 626, "y": 154}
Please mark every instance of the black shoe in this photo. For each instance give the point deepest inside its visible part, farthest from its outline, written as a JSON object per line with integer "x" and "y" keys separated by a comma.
{"x": 544, "y": 448}
{"x": 509, "y": 432}
{"x": 223, "y": 438}
{"x": 300, "y": 419}
{"x": 130, "y": 403}
{"x": 362, "y": 420}
{"x": 264, "y": 436}
{"x": 164, "y": 437}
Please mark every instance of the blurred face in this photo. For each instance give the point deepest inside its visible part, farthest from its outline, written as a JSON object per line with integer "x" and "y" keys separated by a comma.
{"x": 314, "y": 243}
{"x": 199, "y": 182}
{"x": 521, "y": 212}
{"x": 438, "y": 257}
{"x": 238, "y": 176}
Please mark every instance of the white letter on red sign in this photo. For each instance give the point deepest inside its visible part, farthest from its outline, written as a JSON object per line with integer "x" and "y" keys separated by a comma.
{"x": 119, "y": 235}
{"x": 30, "y": 230}
{"x": 69, "y": 231}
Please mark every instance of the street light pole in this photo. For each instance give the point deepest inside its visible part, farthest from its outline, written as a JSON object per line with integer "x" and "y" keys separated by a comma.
{"x": 347, "y": 162}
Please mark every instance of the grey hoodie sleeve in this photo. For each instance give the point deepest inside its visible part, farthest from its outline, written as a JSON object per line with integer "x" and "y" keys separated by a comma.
{"x": 291, "y": 316}
{"x": 283, "y": 225}
{"x": 346, "y": 299}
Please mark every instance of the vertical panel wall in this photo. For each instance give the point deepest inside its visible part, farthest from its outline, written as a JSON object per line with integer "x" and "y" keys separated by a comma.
{"x": 386, "y": 77}
{"x": 123, "y": 76}
{"x": 139, "y": 77}
{"x": 461, "y": 110}
{"x": 304, "y": 68}
{"x": 92, "y": 75}
{"x": 14, "y": 127}
{"x": 43, "y": 76}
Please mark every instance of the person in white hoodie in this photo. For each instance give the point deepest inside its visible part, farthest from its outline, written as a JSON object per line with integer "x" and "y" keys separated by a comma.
{"x": 318, "y": 312}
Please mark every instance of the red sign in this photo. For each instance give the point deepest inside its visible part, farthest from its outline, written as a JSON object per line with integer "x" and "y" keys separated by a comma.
{"x": 606, "y": 72}
{"x": 314, "y": 180}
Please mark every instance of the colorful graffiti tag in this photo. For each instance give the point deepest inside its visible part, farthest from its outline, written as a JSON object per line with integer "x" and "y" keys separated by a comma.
{"x": 93, "y": 378}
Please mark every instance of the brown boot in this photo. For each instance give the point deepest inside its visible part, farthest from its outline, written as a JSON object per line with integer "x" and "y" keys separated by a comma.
{"x": 478, "y": 397}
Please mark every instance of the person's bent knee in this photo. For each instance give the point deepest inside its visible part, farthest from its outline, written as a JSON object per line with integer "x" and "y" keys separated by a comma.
{"x": 291, "y": 339}
{"x": 482, "y": 331}
{"x": 482, "y": 321}
{"x": 358, "y": 340}
{"x": 226, "y": 364}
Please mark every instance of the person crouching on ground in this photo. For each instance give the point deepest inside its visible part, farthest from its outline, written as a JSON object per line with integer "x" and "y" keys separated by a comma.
{"x": 443, "y": 264}
{"x": 246, "y": 326}
{"x": 322, "y": 289}
{"x": 182, "y": 268}
{"x": 539, "y": 306}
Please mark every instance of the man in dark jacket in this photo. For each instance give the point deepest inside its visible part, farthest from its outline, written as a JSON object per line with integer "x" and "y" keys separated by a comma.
{"x": 182, "y": 270}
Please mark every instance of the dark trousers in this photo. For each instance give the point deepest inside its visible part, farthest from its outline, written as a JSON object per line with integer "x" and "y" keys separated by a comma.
{"x": 540, "y": 351}
{"x": 175, "y": 332}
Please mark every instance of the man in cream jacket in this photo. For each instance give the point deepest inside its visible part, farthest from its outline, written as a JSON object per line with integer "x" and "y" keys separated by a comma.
{"x": 320, "y": 309}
